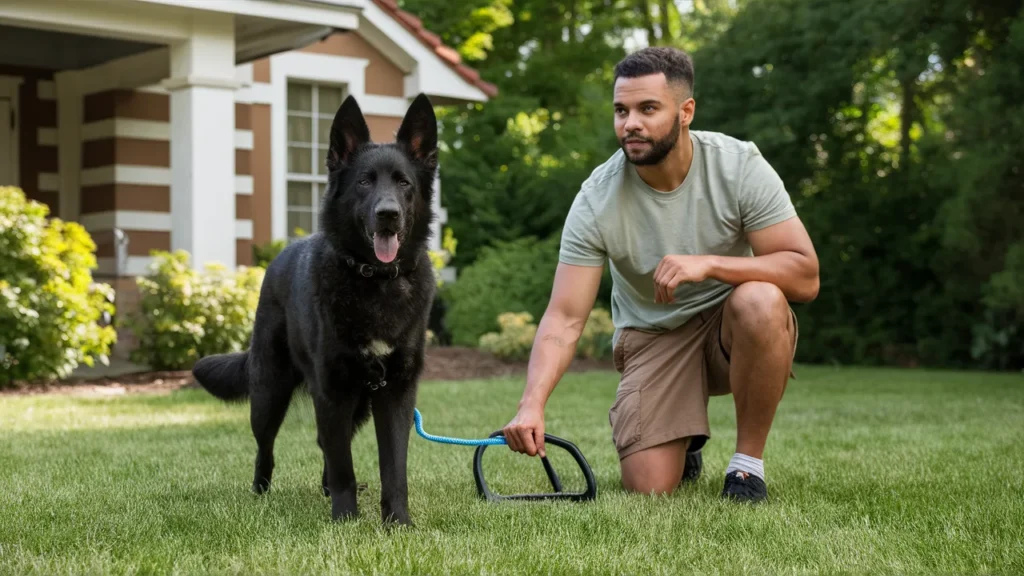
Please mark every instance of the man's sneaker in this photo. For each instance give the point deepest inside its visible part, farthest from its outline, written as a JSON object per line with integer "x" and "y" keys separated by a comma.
{"x": 694, "y": 465}
{"x": 744, "y": 487}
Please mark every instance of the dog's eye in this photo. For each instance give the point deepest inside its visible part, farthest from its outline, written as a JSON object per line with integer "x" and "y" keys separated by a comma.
{"x": 404, "y": 183}
{"x": 364, "y": 182}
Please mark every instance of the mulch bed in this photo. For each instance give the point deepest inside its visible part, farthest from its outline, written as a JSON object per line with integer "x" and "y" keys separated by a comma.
{"x": 441, "y": 363}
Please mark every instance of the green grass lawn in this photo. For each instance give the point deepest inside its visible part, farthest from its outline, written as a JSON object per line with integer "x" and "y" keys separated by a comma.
{"x": 870, "y": 471}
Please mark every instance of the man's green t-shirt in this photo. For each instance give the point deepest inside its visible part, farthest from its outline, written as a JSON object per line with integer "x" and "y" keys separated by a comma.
{"x": 616, "y": 217}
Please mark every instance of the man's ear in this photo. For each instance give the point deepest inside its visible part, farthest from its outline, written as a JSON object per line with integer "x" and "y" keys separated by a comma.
{"x": 418, "y": 133}
{"x": 687, "y": 111}
{"x": 348, "y": 133}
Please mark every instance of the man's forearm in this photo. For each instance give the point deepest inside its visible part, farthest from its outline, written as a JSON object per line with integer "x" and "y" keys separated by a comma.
{"x": 794, "y": 273}
{"x": 553, "y": 351}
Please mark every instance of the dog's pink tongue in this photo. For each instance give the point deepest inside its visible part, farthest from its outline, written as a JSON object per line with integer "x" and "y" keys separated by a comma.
{"x": 386, "y": 247}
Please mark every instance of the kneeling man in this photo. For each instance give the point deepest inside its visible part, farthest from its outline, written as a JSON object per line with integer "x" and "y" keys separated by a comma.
{"x": 706, "y": 253}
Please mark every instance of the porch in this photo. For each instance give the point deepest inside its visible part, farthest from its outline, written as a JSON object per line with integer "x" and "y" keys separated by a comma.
{"x": 87, "y": 85}
{"x": 172, "y": 124}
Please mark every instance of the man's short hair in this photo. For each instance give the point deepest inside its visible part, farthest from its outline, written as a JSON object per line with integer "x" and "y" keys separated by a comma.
{"x": 674, "y": 63}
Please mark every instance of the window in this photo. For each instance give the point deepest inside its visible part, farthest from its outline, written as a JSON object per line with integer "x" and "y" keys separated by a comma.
{"x": 311, "y": 109}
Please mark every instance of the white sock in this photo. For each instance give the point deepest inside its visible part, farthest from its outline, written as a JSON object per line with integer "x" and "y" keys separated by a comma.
{"x": 747, "y": 464}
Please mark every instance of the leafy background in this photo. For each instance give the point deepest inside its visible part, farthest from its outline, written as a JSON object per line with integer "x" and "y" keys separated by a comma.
{"x": 896, "y": 126}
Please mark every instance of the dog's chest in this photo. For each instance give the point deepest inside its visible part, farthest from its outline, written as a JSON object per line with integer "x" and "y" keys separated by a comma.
{"x": 377, "y": 348}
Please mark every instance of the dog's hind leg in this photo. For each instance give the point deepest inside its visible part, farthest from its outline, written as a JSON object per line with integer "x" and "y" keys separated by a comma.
{"x": 274, "y": 381}
{"x": 268, "y": 409}
{"x": 323, "y": 477}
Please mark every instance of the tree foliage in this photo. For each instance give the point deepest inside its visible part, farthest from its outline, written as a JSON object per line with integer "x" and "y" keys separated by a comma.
{"x": 897, "y": 127}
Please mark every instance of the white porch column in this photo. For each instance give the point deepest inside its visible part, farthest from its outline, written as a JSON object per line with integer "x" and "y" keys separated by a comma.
{"x": 202, "y": 86}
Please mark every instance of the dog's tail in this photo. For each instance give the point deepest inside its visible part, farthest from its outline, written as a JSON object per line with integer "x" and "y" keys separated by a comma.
{"x": 226, "y": 376}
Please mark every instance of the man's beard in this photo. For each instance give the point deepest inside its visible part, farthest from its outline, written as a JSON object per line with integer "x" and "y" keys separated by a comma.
{"x": 659, "y": 148}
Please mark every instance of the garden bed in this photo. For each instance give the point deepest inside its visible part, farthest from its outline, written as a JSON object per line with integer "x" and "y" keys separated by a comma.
{"x": 442, "y": 363}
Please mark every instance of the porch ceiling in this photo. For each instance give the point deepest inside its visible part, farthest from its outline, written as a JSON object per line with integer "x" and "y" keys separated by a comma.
{"x": 65, "y": 35}
{"x": 50, "y": 50}
{"x": 257, "y": 37}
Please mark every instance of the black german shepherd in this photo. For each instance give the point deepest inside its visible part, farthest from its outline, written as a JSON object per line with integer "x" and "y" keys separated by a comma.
{"x": 345, "y": 310}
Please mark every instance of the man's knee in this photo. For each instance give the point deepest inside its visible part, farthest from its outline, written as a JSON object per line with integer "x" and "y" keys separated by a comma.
{"x": 650, "y": 486}
{"x": 758, "y": 308}
{"x": 655, "y": 470}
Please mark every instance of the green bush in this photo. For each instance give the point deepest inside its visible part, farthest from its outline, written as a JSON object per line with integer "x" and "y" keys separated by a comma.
{"x": 515, "y": 275}
{"x": 515, "y": 340}
{"x": 263, "y": 255}
{"x": 50, "y": 308}
{"x": 185, "y": 314}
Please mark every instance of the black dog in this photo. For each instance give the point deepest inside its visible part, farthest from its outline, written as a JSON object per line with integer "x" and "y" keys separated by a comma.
{"x": 345, "y": 311}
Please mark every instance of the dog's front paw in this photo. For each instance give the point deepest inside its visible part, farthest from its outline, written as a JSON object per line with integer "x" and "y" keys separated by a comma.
{"x": 395, "y": 517}
{"x": 391, "y": 522}
{"x": 342, "y": 514}
{"x": 343, "y": 505}
{"x": 261, "y": 485}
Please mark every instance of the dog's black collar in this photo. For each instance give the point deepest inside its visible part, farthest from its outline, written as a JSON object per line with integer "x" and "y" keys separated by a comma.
{"x": 391, "y": 270}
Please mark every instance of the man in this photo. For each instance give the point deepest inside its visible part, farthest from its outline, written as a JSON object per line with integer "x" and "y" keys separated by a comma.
{"x": 706, "y": 252}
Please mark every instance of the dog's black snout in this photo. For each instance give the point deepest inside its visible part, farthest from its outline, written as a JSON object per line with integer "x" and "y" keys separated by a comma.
{"x": 388, "y": 210}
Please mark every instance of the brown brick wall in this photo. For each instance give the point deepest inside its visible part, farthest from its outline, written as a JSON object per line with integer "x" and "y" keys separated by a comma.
{"x": 261, "y": 174}
{"x": 33, "y": 114}
{"x": 383, "y": 78}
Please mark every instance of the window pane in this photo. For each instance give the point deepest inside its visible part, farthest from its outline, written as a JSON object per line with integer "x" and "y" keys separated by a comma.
{"x": 317, "y": 191}
{"x": 330, "y": 99}
{"x": 298, "y": 219}
{"x": 324, "y": 126}
{"x": 299, "y": 194}
{"x": 300, "y": 160}
{"x": 321, "y": 161}
{"x": 300, "y": 97}
{"x": 300, "y": 129}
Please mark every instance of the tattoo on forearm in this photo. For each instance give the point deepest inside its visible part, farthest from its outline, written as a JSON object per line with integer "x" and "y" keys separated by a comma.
{"x": 558, "y": 340}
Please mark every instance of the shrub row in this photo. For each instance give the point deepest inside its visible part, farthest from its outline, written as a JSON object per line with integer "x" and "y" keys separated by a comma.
{"x": 54, "y": 317}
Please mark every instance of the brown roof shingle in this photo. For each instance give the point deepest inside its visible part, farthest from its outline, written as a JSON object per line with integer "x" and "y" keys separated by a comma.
{"x": 433, "y": 41}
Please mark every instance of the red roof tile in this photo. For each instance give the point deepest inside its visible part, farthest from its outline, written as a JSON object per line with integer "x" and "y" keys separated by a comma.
{"x": 433, "y": 41}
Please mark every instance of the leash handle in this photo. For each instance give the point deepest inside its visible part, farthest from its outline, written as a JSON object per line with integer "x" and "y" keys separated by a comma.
{"x": 559, "y": 493}
{"x": 418, "y": 419}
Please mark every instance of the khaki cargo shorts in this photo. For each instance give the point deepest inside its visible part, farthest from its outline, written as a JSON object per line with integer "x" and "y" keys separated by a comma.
{"x": 666, "y": 380}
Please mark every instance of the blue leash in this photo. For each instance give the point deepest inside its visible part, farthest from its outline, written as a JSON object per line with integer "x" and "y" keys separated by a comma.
{"x": 418, "y": 419}
{"x": 478, "y": 471}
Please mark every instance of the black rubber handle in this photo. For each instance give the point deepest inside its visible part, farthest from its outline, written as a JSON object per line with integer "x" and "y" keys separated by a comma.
{"x": 589, "y": 494}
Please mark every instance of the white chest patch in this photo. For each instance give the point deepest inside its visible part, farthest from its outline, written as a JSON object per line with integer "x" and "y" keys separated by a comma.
{"x": 378, "y": 348}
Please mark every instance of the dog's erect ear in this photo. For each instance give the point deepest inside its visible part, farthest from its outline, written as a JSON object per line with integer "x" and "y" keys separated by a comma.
{"x": 348, "y": 134}
{"x": 419, "y": 132}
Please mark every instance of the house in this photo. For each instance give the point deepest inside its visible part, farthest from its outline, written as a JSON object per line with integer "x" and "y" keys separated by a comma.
{"x": 201, "y": 124}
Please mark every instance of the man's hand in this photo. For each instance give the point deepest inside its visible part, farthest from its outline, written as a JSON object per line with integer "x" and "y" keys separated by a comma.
{"x": 525, "y": 433}
{"x": 783, "y": 255}
{"x": 674, "y": 270}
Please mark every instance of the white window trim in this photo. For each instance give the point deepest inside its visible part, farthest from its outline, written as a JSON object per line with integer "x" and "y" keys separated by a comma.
{"x": 9, "y": 88}
{"x": 317, "y": 174}
{"x": 301, "y": 67}
{"x": 326, "y": 69}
